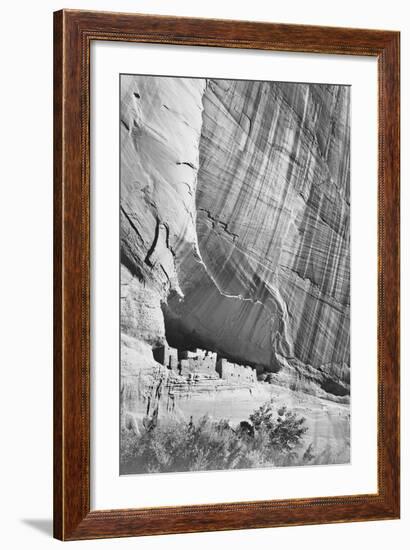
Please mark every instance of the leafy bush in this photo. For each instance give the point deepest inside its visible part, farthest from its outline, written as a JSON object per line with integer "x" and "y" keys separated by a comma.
{"x": 266, "y": 439}
{"x": 284, "y": 432}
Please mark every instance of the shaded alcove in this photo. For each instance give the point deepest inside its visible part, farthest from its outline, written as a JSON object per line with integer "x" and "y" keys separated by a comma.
{"x": 181, "y": 338}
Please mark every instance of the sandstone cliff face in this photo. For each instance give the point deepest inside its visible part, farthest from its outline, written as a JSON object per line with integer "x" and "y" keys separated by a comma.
{"x": 272, "y": 218}
{"x": 161, "y": 123}
{"x": 234, "y": 232}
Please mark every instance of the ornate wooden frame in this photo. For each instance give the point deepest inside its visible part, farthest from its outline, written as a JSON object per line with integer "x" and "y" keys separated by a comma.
{"x": 73, "y": 33}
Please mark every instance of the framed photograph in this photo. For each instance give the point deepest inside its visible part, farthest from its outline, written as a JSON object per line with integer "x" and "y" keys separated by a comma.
{"x": 226, "y": 275}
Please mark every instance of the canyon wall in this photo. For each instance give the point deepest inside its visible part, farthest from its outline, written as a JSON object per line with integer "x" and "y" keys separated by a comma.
{"x": 273, "y": 225}
{"x": 235, "y": 229}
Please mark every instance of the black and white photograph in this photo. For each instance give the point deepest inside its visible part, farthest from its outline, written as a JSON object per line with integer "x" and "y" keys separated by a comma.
{"x": 235, "y": 274}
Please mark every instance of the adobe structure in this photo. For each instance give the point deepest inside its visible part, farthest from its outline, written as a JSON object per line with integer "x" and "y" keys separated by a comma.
{"x": 167, "y": 356}
{"x": 235, "y": 373}
{"x": 201, "y": 361}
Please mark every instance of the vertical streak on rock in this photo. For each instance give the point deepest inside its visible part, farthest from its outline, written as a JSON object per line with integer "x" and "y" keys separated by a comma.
{"x": 273, "y": 224}
{"x": 235, "y": 213}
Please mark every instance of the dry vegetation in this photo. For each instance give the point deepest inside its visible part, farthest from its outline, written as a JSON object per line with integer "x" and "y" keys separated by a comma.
{"x": 268, "y": 438}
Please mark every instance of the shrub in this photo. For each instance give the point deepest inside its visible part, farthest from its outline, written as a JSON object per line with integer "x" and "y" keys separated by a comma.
{"x": 266, "y": 439}
{"x": 284, "y": 432}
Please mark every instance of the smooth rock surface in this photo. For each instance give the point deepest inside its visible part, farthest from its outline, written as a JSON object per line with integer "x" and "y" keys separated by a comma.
{"x": 272, "y": 218}
{"x": 235, "y": 238}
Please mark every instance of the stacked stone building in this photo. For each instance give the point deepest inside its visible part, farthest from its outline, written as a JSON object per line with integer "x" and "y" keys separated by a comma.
{"x": 235, "y": 373}
{"x": 201, "y": 361}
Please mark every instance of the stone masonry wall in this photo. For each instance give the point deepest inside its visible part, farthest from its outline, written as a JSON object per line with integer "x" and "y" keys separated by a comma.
{"x": 235, "y": 373}
{"x": 201, "y": 361}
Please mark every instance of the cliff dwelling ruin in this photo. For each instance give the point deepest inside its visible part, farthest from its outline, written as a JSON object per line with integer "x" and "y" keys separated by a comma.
{"x": 199, "y": 361}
